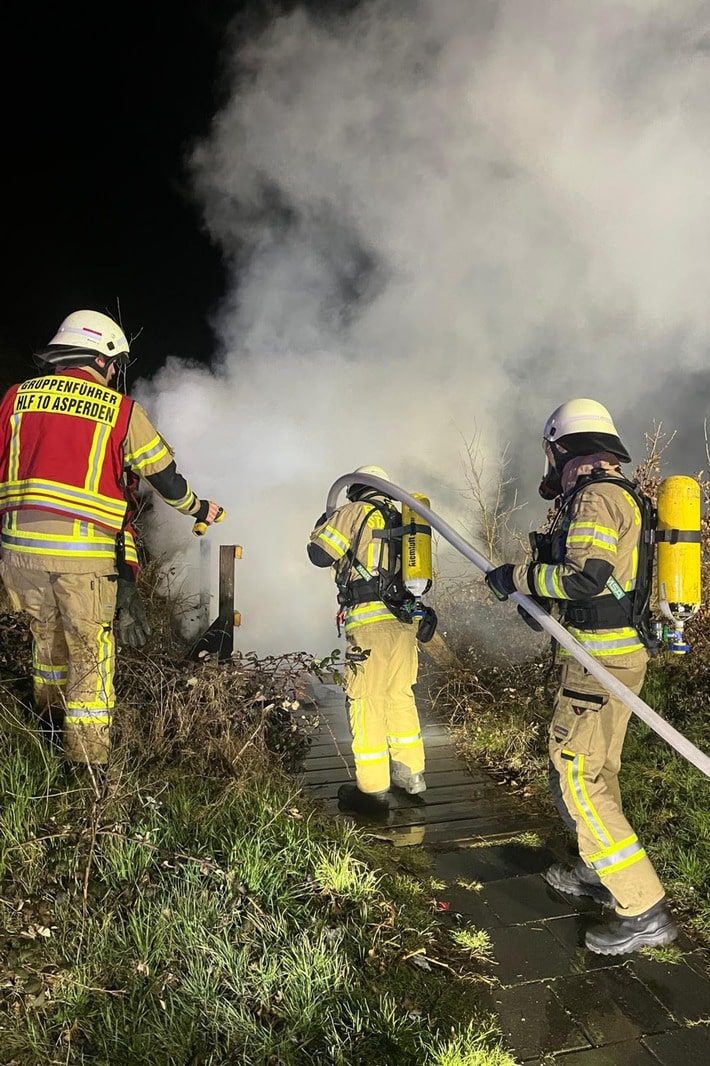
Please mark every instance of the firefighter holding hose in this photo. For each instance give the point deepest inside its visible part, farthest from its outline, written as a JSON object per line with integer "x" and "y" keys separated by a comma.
{"x": 594, "y": 564}
{"x": 69, "y": 443}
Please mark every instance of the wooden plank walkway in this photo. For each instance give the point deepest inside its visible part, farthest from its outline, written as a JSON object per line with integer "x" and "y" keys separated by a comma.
{"x": 460, "y": 804}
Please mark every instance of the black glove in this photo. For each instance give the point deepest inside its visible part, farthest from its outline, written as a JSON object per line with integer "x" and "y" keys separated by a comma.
{"x": 500, "y": 581}
{"x": 427, "y": 625}
{"x": 529, "y": 620}
{"x": 130, "y": 626}
{"x": 546, "y": 605}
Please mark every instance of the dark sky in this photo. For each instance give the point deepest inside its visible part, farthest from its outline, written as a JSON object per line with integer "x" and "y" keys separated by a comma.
{"x": 101, "y": 104}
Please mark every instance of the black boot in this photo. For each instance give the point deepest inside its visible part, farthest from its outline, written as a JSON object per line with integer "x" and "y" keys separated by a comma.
{"x": 579, "y": 880}
{"x": 652, "y": 929}
{"x": 350, "y": 798}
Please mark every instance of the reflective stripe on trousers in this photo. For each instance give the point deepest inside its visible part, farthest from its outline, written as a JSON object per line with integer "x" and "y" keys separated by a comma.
{"x": 586, "y": 738}
{"x": 71, "y": 618}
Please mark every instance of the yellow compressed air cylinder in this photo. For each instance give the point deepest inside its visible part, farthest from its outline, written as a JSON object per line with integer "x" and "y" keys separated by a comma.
{"x": 678, "y": 548}
{"x": 417, "y": 569}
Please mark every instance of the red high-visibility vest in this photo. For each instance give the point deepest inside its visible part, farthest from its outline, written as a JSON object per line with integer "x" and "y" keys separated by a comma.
{"x": 61, "y": 448}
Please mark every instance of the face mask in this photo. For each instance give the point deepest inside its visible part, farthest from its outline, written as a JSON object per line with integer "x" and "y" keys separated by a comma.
{"x": 551, "y": 485}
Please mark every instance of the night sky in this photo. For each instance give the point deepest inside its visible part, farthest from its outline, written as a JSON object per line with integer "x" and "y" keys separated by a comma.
{"x": 101, "y": 105}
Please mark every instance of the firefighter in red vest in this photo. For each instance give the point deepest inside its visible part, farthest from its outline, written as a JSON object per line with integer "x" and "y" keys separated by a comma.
{"x": 69, "y": 442}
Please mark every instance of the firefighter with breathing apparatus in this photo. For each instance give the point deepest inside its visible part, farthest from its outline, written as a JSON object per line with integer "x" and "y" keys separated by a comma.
{"x": 381, "y": 560}
{"x": 69, "y": 446}
{"x": 596, "y": 563}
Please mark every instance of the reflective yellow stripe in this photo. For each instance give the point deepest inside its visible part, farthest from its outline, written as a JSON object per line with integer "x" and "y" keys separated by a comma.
{"x": 14, "y": 456}
{"x": 366, "y": 613}
{"x": 66, "y": 499}
{"x": 403, "y": 742}
{"x": 594, "y": 536}
{"x": 618, "y": 856}
{"x": 104, "y": 664}
{"x": 183, "y": 501}
{"x": 606, "y": 641}
{"x": 578, "y": 791}
{"x": 83, "y": 717}
{"x": 97, "y": 456}
{"x": 338, "y": 543}
{"x": 149, "y": 453}
{"x": 547, "y": 581}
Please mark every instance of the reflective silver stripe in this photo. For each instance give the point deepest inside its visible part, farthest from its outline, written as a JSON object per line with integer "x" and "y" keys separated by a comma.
{"x": 412, "y": 738}
{"x": 606, "y": 539}
{"x": 335, "y": 539}
{"x": 149, "y": 453}
{"x": 378, "y": 756}
{"x": 50, "y": 677}
{"x": 600, "y": 645}
{"x": 619, "y": 855}
{"x": 71, "y": 493}
{"x": 357, "y": 617}
{"x": 97, "y": 455}
{"x": 546, "y": 580}
{"x": 183, "y": 501}
{"x": 98, "y": 715}
{"x": 584, "y": 804}
{"x": 96, "y": 548}
{"x": 14, "y": 457}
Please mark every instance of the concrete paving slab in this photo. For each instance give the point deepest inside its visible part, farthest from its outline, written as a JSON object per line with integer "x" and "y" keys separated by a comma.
{"x": 470, "y": 908}
{"x": 519, "y": 900}
{"x": 533, "y": 1022}
{"x": 491, "y": 863}
{"x": 682, "y": 1047}
{"x": 628, "y": 1053}
{"x": 611, "y": 1006}
{"x": 528, "y": 953}
{"x": 570, "y": 932}
{"x": 680, "y": 989}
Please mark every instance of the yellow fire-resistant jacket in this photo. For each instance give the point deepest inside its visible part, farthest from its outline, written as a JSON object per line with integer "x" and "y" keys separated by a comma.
{"x": 352, "y": 527}
{"x": 599, "y": 538}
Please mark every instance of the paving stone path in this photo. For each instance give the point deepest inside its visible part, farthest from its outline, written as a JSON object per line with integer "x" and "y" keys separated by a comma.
{"x": 556, "y": 1001}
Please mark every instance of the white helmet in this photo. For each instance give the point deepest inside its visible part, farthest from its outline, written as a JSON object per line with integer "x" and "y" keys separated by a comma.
{"x": 356, "y": 488}
{"x": 579, "y": 427}
{"x": 579, "y": 416}
{"x": 82, "y": 336}
{"x": 376, "y": 471}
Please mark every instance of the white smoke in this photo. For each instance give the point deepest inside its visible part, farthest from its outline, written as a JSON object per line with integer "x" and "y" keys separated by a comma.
{"x": 439, "y": 217}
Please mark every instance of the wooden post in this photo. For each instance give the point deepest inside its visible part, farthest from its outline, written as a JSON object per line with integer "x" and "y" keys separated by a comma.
{"x": 218, "y": 640}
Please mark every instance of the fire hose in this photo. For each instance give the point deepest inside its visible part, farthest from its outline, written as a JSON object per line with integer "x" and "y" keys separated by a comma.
{"x": 635, "y": 704}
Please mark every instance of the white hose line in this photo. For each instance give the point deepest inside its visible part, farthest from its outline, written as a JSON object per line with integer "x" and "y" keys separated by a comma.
{"x": 659, "y": 725}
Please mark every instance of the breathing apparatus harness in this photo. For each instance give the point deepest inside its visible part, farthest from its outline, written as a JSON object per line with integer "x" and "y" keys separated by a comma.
{"x": 618, "y": 607}
{"x": 357, "y": 585}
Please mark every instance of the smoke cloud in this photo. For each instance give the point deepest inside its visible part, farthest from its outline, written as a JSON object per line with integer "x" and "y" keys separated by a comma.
{"x": 439, "y": 218}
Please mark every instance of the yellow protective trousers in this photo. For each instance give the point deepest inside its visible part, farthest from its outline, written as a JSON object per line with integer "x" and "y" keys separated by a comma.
{"x": 73, "y": 653}
{"x": 381, "y": 663}
{"x": 586, "y": 737}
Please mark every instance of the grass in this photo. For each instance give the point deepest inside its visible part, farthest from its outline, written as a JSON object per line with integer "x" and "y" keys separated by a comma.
{"x": 193, "y": 908}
